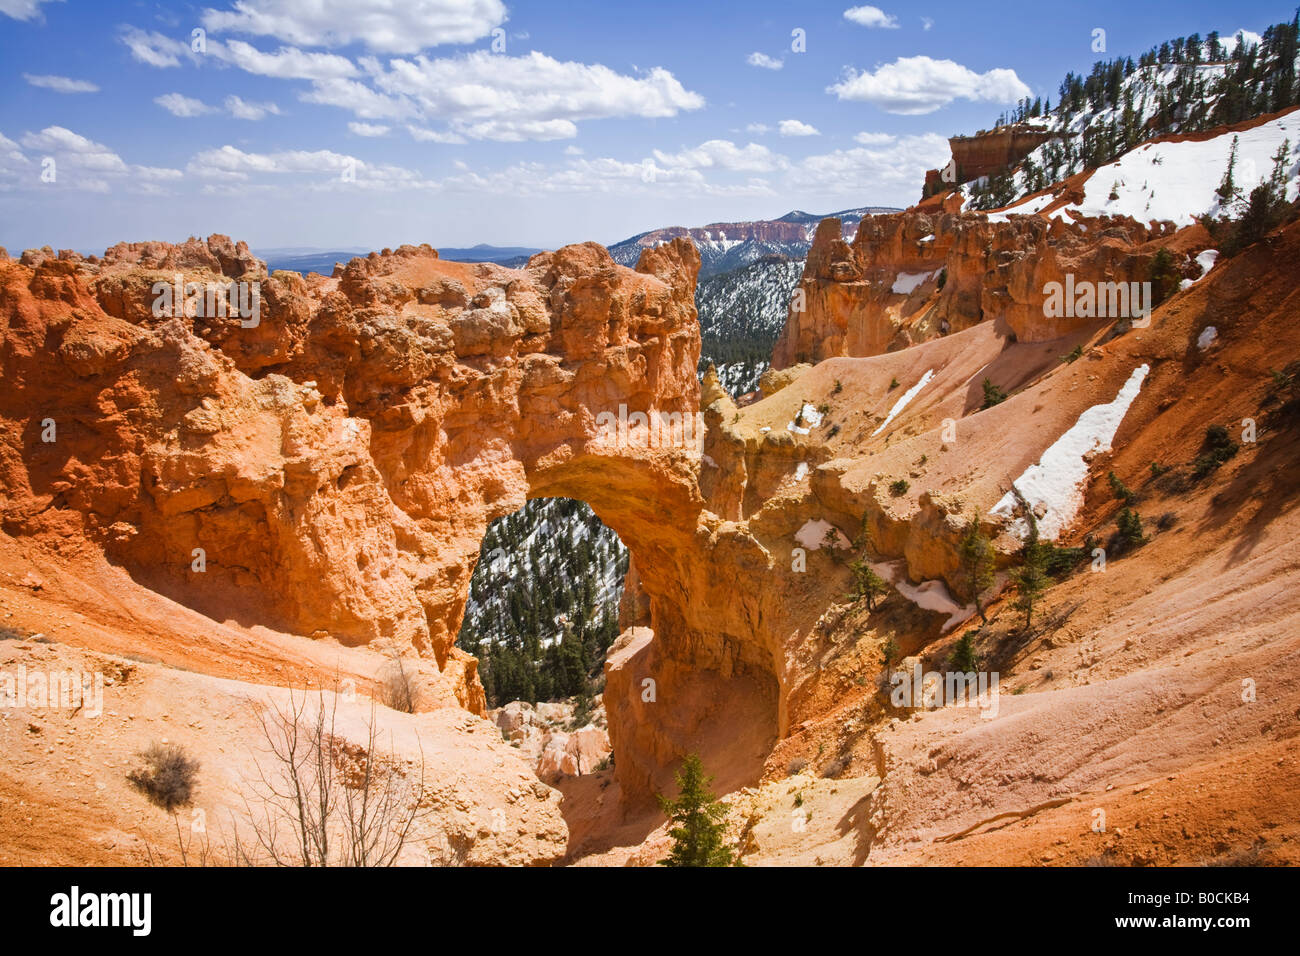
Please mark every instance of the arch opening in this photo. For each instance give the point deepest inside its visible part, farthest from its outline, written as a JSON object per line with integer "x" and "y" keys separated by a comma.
{"x": 543, "y": 604}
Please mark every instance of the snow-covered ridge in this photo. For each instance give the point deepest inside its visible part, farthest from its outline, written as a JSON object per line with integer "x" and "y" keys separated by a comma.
{"x": 1177, "y": 181}
{"x": 1195, "y": 89}
{"x": 725, "y": 246}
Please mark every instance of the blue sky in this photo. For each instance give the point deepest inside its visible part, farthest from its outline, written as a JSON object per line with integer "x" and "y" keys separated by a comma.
{"x": 338, "y": 123}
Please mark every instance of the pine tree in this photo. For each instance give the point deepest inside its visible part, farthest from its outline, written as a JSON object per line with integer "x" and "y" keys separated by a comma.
{"x": 582, "y": 707}
{"x": 976, "y": 552}
{"x": 1281, "y": 166}
{"x": 697, "y": 819}
{"x": 1163, "y": 276}
{"x": 889, "y": 654}
{"x": 1130, "y": 527}
{"x": 1227, "y": 190}
{"x": 867, "y": 584}
{"x": 964, "y": 657}
{"x": 992, "y": 395}
{"x": 1261, "y": 215}
{"x": 1030, "y": 579}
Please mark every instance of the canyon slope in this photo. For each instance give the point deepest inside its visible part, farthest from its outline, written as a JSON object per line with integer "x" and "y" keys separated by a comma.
{"x": 214, "y": 507}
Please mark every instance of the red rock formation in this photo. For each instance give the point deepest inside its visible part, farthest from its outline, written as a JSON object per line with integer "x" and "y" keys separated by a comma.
{"x": 339, "y": 460}
{"x": 951, "y": 272}
{"x": 987, "y": 152}
{"x": 338, "y": 456}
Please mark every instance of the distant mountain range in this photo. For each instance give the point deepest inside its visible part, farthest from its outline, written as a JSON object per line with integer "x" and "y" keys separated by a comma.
{"x": 729, "y": 245}
{"x": 723, "y": 245}
{"x": 323, "y": 260}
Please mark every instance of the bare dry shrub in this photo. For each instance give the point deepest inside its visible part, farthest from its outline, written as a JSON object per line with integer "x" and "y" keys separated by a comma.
{"x": 168, "y": 776}
{"x": 320, "y": 800}
{"x": 399, "y": 688}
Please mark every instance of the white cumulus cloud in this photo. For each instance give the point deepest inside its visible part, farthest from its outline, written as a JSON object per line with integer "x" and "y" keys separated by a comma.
{"x": 180, "y": 105}
{"x": 287, "y": 63}
{"x": 890, "y": 170}
{"x": 320, "y": 168}
{"x": 723, "y": 154}
{"x": 385, "y": 27}
{"x": 243, "y": 109}
{"x": 794, "y": 127}
{"x": 491, "y": 96}
{"x": 915, "y": 85}
{"x": 871, "y": 17}
{"x": 22, "y": 9}
{"x": 764, "y": 61}
{"x": 188, "y": 107}
{"x": 421, "y": 135}
{"x": 154, "y": 49}
{"x": 85, "y": 164}
{"x": 477, "y": 95}
{"x": 363, "y": 101}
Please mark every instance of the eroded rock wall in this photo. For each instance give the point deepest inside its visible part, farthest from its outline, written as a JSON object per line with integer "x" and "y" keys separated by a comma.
{"x": 908, "y": 277}
{"x": 329, "y": 465}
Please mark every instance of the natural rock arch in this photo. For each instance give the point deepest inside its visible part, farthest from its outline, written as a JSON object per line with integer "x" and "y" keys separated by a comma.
{"x": 337, "y": 458}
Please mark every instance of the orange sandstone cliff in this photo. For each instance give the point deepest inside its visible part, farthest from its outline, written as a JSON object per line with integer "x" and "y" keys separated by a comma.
{"x": 911, "y": 276}
{"x": 338, "y": 461}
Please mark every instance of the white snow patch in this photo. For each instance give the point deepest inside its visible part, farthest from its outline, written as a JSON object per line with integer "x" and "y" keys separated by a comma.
{"x": 813, "y": 534}
{"x": 1053, "y": 488}
{"x": 765, "y": 429}
{"x": 928, "y": 595}
{"x": 801, "y": 472}
{"x": 1026, "y": 208}
{"x": 905, "y": 283}
{"x": 809, "y": 416}
{"x": 1207, "y": 337}
{"x": 1206, "y": 261}
{"x": 902, "y": 402}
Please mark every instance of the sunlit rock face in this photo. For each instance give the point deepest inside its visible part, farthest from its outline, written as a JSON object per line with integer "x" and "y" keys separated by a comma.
{"x": 912, "y": 276}
{"x": 327, "y": 458}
